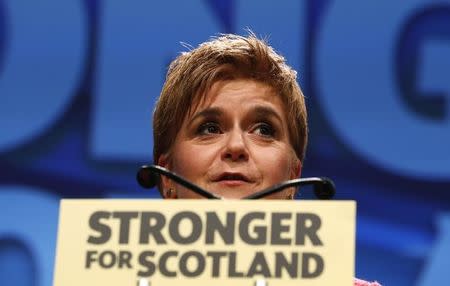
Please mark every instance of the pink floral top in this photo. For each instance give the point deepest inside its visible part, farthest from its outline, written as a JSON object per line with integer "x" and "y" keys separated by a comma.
{"x": 359, "y": 282}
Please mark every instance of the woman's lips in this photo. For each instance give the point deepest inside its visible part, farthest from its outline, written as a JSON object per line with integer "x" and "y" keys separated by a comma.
{"x": 232, "y": 183}
{"x": 231, "y": 179}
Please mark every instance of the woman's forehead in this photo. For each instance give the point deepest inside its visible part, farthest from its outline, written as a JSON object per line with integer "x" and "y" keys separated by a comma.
{"x": 244, "y": 90}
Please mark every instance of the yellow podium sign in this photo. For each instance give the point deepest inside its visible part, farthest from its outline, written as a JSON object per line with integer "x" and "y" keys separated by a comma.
{"x": 200, "y": 242}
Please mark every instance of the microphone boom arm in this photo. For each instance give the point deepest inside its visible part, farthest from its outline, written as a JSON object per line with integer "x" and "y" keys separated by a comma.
{"x": 147, "y": 177}
{"x": 323, "y": 188}
{"x": 143, "y": 174}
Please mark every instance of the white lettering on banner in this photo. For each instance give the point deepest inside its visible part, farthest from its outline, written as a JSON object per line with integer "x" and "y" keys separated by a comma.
{"x": 261, "y": 282}
{"x": 143, "y": 282}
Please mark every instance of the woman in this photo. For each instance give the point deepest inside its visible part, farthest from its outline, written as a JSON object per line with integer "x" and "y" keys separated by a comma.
{"x": 231, "y": 119}
{"x": 222, "y": 119}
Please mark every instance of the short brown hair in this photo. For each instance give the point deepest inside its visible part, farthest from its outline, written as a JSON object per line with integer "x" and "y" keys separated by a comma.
{"x": 226, "y": 57}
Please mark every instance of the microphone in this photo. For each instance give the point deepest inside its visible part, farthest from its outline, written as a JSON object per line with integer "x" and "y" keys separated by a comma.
{"x": 323, "y": 188}
{"x": 148, "y": 176}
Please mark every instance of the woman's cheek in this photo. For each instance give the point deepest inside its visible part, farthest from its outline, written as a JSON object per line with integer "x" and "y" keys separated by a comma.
{"x": 278, "y": 166}
{"x": 192, "y": 161}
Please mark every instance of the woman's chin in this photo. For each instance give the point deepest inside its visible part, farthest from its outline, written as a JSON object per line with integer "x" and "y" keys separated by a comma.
{"x": 233, "y": 189}
{"x": 229, "y": 189}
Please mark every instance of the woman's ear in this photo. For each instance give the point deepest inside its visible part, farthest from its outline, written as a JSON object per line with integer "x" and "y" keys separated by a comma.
{"x": 167, "y": 187}
{"x": 296, "y": 168}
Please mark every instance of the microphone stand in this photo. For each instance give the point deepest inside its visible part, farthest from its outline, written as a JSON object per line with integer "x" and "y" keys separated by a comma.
{"x": 148, "y": 176}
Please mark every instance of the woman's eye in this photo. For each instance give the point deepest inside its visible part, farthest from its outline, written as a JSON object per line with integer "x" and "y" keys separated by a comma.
{"x": 265, "y": 129}
{"x": 208, "y": 128}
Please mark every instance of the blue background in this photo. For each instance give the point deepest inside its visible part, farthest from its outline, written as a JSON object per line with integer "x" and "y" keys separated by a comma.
{"x": 78, "y": 80}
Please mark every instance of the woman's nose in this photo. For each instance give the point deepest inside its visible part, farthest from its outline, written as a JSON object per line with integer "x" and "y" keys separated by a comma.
{"x": 235, "y": 148}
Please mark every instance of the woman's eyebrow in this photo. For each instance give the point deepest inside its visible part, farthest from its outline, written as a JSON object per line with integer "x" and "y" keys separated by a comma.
{"x": 208, "y": 112}
{"x": 266, "y": 111}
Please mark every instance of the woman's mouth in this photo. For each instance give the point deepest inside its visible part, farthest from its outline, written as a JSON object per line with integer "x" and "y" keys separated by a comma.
{"x": 232, "y": 179}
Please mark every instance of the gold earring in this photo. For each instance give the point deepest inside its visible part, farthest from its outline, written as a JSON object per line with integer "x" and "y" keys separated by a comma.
{"x": 169, "y": 193}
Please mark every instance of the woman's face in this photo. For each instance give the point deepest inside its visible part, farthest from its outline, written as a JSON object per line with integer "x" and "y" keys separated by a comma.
{"x": 235, "y": 143}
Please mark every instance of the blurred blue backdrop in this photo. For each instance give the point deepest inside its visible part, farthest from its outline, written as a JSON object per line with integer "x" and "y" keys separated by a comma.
{"x": 78, "y": 80}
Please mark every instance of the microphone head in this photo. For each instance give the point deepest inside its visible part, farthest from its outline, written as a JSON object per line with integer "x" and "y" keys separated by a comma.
{"x": 325, "y": 190}
{"x": 146, "y": 177}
